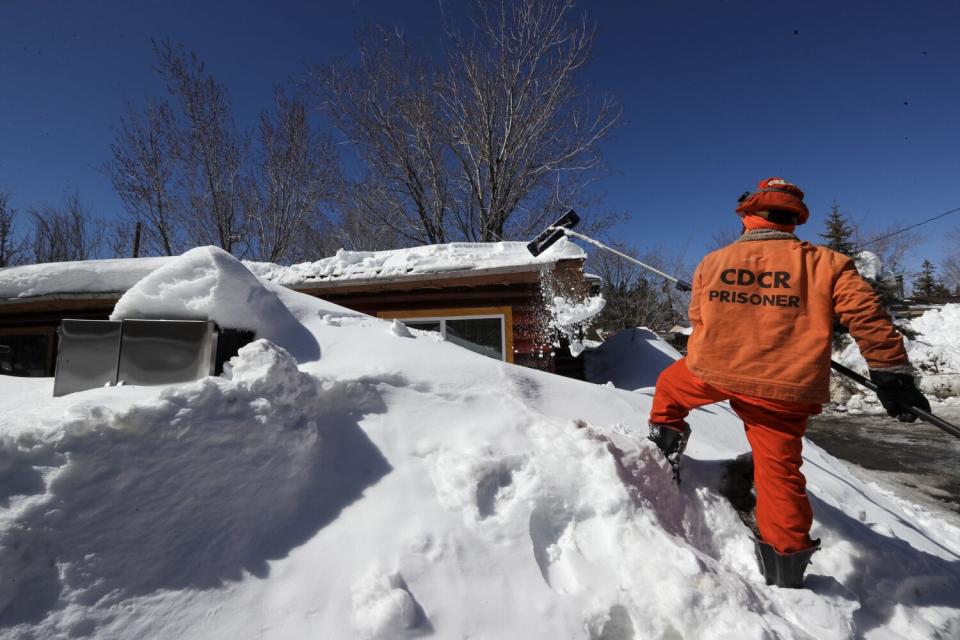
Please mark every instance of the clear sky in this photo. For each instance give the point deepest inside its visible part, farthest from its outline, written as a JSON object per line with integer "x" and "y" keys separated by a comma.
{"x": 853, "y": 101}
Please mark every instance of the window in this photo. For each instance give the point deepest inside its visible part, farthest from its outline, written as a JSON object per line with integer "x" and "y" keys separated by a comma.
{"x": 487, "y": 331}
{"x": 26, "y": 354}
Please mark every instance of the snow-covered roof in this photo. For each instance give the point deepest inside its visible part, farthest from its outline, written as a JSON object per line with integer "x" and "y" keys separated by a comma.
{"x": 83, "y": 277}
{"x": 453, "y": 260}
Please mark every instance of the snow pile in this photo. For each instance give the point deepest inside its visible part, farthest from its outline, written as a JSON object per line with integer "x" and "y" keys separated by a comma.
{"x": 183, "y": 489}
{"x": 425, "y": 260}
{"x": 937, "y": 347}
{"x": 630, "y": 359}
{"x": 934, "y": 352}
{"x": 401, "y": 487}
{"x": 207, "y": 283}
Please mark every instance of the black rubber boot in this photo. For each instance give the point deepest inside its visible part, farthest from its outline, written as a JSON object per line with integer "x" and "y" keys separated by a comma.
{"x": 671, "y": 443}
{"x": 784, "y": 569}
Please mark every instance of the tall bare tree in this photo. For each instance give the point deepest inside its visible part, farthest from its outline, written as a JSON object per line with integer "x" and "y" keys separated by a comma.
{"x": 388, "y": 110}
{"x": 296, "y": 173}
{"x": 889, "y": 243}
{"x": 65, "y": 233}
{"x": 488, "y": 142}
{"x": 187, "y": 173}
{"x": 210, "y": 149}
{"x": 635, "y": 297}
{"x": 951, "y": 264}
{"x": 144, "y": 173}
{"x": 725, "y": 235}
{"x": 525, "y": 130}
{"x": 12, "y": 248}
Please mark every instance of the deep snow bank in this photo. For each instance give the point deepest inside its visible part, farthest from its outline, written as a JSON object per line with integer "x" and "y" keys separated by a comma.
{"x": 399, "y": 487}
{"x": 934, "y": 352}
{"x": 182, "y": 488}
{"x": 630, "y": 359}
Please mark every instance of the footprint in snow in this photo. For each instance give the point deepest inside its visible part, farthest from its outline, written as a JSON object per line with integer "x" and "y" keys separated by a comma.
{"x": 616, "y": 625}
{"x": 550, "y": 530}
{"x": 495, "y": 486}
{"x": 384, "y": 607}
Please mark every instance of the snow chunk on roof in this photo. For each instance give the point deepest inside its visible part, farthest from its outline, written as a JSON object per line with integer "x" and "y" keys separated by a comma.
{"x": 87, "y": 276}
{"x": 208, "y": 283}
{"x": 437, "y": 258}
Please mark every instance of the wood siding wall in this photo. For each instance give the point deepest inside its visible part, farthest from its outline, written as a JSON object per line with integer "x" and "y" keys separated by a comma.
{"x": 533, "y": 340}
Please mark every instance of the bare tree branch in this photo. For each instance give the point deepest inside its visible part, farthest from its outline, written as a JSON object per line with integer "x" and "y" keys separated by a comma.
{"x": 66, "y": 233}
{"x": 297, "y": 171}
{"x": 209, "y": 148}
{"x": 634, "y": 297}
{"x": 951, "y": 265}
{"x": 521, "y": 123}
{"x": 490, "y": 143}
{"x": 724, "y": 236}
{"x": 12, "y": 249}
{"x": 387, "y": 109}
{"x": 144, "y": 173}
{"x": 892, "y": 249}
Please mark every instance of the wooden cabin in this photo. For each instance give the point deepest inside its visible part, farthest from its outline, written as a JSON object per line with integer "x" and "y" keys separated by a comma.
{"x": 489, "y": 297}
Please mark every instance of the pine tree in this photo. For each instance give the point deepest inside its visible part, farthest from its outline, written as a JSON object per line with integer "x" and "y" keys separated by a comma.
{"x": 925, "y": 284}
{"x": 838, "y": 232}
{"x": 941, "y": 290}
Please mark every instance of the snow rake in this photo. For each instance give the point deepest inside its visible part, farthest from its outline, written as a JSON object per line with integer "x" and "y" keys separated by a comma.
{"x": 564, "y": 227}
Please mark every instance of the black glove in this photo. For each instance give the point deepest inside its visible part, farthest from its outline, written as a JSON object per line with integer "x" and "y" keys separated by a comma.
{"x": 897, "y": 392}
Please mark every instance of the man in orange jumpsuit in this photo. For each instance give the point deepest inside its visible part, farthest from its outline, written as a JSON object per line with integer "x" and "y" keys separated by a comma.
{"x": 762, "y": 311}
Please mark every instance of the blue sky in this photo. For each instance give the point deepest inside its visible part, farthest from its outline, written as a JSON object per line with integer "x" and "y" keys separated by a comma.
{"x": 854, "y": 101}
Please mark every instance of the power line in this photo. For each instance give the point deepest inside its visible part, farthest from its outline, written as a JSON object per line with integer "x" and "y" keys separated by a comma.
{"x": 913, "y": 226}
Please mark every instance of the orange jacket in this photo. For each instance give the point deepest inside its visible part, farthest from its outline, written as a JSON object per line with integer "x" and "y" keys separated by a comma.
{"x": 762, "y": 314}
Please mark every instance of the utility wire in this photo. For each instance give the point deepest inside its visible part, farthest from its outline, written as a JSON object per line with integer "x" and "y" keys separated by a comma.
{"x": 913, "y": 226}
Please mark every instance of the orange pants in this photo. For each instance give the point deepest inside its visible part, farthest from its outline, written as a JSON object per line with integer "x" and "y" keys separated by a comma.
{"x": 774, "y": 429}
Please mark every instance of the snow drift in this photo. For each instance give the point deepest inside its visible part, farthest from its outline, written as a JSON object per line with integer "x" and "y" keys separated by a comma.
{"x": 934, "y": 353}
{"x": 397, "y": 486}
{"x": 207, "y": 283}
{"x": 198, "y": 485}
{"x": 630, "y": 359}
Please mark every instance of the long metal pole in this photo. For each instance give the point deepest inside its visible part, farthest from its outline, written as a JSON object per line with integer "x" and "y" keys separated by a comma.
{"x": 920, "y": 413}
{"x": 682, "y": 285}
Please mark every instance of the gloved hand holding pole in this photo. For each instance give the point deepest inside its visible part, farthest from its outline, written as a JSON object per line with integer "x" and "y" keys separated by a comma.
{"x": 921, "y": 412}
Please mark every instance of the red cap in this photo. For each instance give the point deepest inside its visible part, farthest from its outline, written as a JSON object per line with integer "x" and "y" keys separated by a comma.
{"x": 775, "y": 194}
